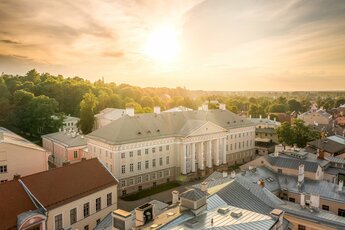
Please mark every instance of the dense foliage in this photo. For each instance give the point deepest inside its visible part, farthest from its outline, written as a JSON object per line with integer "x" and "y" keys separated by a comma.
{"x": 27, "y": 103}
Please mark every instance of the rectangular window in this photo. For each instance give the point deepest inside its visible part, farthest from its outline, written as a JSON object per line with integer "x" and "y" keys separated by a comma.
{"x": 139, "y": 152}
{"x": 153, "y": 176}
{"x": 131, "y": 167}
{"x": 160, "y": 148}
{"x": 292, "y": 199}
{"x": 131, "y": 154}
{"x": 160, "y": 174}
{"x": 86, "y": 210}
{"x": 153, "y": 150}
{"x": 160, "y": 161}
{"x": 146, "y": 151}
{"x": 131, "y": 181}
{"x": 139, "y": 180}
{"x": 123, "y": 183}
{"x": 73, "y": 216}
{"x": 75, "y": 154}
{"x": 167, "y": 160}
{"x": 58, "y": 222}
{"x": 146, "y": 164}
{"x": 98, "y": 204}
{"x": 123, "y": 169}
{"x": 167, "y": 147}
{"x": 146, "y": 177}
{"x": 325, "y": 207}
{"x": 3, "y": 169}
{"x": 98, "y": 221}
{"x": 341, "y": 212}
{"x": 86, "y": 227}
{"x": 123, "y": 155}
{"x": 153, "y": 162}
{"x": 301, "y": 227}
{"x": 167, "y": 173}
{"x": 139, "y": 165}
{"x": 109, "y": 199}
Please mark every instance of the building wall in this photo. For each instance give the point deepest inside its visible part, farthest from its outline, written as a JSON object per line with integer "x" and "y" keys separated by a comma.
{"x": 308, "y": 224}
{"x": 310, "y": 118}
{"x": 79, "y": 204}
{"x": 21, "y": 160}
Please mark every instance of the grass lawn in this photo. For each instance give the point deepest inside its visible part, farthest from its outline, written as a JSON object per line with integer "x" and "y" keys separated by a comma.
{"x": 151, "y": 191}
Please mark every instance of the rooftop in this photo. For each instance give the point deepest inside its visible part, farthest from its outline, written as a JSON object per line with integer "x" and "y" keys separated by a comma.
{"x": 143, "y": 127}
{"x": 52, "y": 189}
{"x": 9, "y": 137}
{"x": 67, "y": 139}
{"x": 193, "y": 194}
{"x": 332, "y": 144}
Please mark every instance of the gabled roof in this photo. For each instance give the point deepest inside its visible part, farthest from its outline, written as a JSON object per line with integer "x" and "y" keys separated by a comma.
{"x": 62, "y": 185}
{"x": 143, "y": 127}
{"x": 9, "y": 137}
{"x": 66, "y": 139}
{"x": 329, "y": 145}
{"x": 13, "y": 201}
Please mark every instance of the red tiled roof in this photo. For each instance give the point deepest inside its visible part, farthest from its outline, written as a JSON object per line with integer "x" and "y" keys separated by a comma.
{"x": 13, "y": 201}
{"x": 52, "y": 189}
{"x": 62, "y": 185}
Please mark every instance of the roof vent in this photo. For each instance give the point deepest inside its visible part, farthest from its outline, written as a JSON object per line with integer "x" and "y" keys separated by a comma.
{"x": 223, "y": 210}
{"x": 158, "y": 130}
{"x": 139, "y": 133}
{"x": 236, "y": 214}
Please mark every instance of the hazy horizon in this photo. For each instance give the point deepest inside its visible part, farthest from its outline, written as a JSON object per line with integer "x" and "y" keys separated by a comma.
{"x": 210, "y": 45}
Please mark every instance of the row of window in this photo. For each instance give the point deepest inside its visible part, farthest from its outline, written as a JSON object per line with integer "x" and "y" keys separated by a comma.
{"x": 145, "y": 178}
{"x": 246, "y": 134}
{"x": 107, "y": 154}
{"x": 138, "y": 152}
{"x": 3, "y": 168}
{"x": 86, "y": 212}
{"x": 241, "y": 144}
{"x": 147, "y": 164}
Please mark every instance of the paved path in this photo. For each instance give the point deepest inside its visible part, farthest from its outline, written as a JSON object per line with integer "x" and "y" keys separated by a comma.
{"x": 162, "y": 196}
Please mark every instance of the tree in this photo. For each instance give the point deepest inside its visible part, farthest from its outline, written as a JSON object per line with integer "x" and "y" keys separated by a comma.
{"x": 87, "y": 111}
{"x": 294, "y": 105}
{"x": 296, "y": 133}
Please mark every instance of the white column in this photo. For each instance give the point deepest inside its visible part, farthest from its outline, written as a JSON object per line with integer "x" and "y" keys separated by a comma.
{"x": 201, "y": 156}
{"x": 224, "y": 150}
{"x": 216, "y": 153}
{"x": 183, "y": 159}
{"x": 193, "y": 156}
{"x": 209, "y": 154}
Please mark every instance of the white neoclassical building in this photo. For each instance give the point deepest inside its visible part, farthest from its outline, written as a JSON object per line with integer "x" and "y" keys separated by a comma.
{"x": 148, "y": 149}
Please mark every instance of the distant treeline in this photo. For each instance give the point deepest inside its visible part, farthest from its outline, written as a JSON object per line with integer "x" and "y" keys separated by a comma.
{"x": 28, "y": 102}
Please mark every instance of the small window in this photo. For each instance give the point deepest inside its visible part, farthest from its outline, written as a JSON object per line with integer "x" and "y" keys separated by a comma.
{"x": 160, "y": 148}
{"x": 139, "y": 166}
{"x": 341, "y": 212}
{"x": 123, "y": 169}
{"x": 167, "y": 147}
{"x": 123, "y": 183}
{"x": 167, "y": 160}
{"x": 139, "y": 152}
{"x": 291, "y": 199}
{"x": 280, "y": 170}
{"x": 139, "y": 180}
{"x": 123, "y": 155}
{"x": 98, "y": 221}
{"x": 86, "y": 210}
{"x": 153, "y": 162}
{"x": 325, "y": 207}
{"x": 75, "y": 154}
{"x": 131, "y": 154}
{"x": 58, "y": 222}
{"x": 301, "y": 227}
{"x": 160, "y": 161}
{"x": 73, "y": 216}
{"x": 131, "y": 167}
{"x": 146, "y": 164}
{"x": 3, "y": 169}
{"x": 109, "y": 199}
{"x": 146, "y": 151}
{"x": 98, "y": 204}
{"x": 86, "y": 227}
{"x": 153, "y": 150}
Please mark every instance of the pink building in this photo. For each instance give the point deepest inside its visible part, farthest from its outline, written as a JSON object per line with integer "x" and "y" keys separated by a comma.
{"x": 64, "y": 147}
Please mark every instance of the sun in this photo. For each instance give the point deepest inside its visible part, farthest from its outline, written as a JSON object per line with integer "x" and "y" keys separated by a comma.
{"x": 162, "y": 44}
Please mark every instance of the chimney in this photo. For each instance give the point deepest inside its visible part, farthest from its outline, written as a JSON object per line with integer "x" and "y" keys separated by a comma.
{"x": 225, "y": 174}
{"x": 16, "y": 176}
{"x": 233, "y": 174}
{"x": 269, "y": 117}
{"x": 315, "y": 201}
{"x": 222, "y": 106}
{"x": 301, "y": 174}
{"x": 274, "y": 119}
{"x": 278, "y": 215}
{"x": 340, "y": 186}
{"x": 175, "y": 197}
{"x": 204, "y": 186}
{"x": 277, "y": 149}
{"x": 122, "y": 220}
{"x": 302, "y": 200}
{"x": 157, "y": 110}
{"x": 205, "y": 107}
{"x": 130, "y": 111}
{"x": 250, "y": 116}
{"x": 321, "y": 154}
{"x": 144, "y": 214}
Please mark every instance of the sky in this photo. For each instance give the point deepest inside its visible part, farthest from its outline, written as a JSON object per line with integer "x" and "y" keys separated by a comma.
{"x": 226, "y": 45}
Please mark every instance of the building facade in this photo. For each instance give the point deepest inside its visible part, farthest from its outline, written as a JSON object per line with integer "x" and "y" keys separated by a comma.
{"x": 19, "y": 156}
{"x": 64, "y": 147}
{"x": 106, "y": 116}
{"x": 76, "y": 196}
{"x": 149, "y": 149}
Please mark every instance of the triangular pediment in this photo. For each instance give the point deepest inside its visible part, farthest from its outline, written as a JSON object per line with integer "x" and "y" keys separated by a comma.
{"x": 206, "y": 128}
